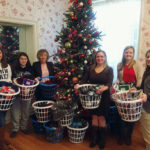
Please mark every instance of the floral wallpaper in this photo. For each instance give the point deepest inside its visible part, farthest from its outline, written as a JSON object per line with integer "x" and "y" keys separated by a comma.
{"x": 48, "y": 14}
{"x": 144, "y": 40}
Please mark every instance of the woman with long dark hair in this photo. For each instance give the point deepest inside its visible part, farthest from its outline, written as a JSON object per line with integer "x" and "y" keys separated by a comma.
{"x": 99, "y": 73}
{"x": 20, "y": 108}
{"x": 129, "y": 72}
{"x": 5, "y": 75}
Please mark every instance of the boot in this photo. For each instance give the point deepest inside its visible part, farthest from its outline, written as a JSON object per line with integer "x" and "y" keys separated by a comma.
{"x": 93, "y": 136}
{"x": 3, "y": 145}
{"x": 128, "y": 134}
{"x": 102, "y": 136}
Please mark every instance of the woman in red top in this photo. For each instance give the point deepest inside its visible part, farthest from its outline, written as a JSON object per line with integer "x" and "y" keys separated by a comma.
{"x": 129, "y": 71}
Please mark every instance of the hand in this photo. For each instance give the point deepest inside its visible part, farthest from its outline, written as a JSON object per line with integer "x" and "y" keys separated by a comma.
{"x": 76, "y": 86}
{"x": 144, "y": 97}
{"x": 133, "y": 89}
{"x": 101, "y": 89}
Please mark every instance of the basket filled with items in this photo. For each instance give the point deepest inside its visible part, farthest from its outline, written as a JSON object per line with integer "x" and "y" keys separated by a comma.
{"x": 88, "y": 96}
{"x": 63, "y": 111}
{"x": 42, "y": 110}
{"x": 54, "y": 132}
{"x": 129, "y": 104}
{"x": 8, "y": 93}
{"x": 27, "y": 84}
{"x": 77, "y": 130}
{"x": 47, "y": 87}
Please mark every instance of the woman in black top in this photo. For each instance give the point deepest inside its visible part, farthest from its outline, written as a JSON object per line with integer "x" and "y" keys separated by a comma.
{"x": 20, "y": 107}
{"x": 43, "y": 67}
{"x": 100, "y": 73}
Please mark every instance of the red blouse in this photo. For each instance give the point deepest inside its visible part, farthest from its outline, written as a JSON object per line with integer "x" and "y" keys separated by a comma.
{"x": 128, "y": 74}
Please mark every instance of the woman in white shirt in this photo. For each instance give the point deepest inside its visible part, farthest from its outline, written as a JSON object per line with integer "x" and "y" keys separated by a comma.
{"x": 5, "y": 75}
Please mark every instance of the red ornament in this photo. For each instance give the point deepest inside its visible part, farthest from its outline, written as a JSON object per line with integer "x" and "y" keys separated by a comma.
{"x": 54, "y": 58}
{"x": 56, "y": 40}
{"x": 90, "y": 63}
{"x": 80, "y": 35}
{"x": 70, "y": 1}
{"x": 72, "y": 70}
{"x": 89, "y": 2}
{"x": 75, "y": 1}
{"x": 74, "y": 32}
{"x": 75, "y": 17}
{"x": 70, "y": 36}
{"x": 82, "y": 56}
{"x": 90, "y": 42}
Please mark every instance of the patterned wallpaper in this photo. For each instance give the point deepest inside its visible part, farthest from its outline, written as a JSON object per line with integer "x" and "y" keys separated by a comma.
{"x": 144, "y": 40}
{"x": 48, "y": 14}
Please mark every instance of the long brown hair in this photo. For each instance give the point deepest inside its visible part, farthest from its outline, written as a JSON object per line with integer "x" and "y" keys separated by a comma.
{"x": 95, "y": 64}
{"x": 124, "y": 60}
{"x": 3, "y": 60}
{"x": 146, "y": 56}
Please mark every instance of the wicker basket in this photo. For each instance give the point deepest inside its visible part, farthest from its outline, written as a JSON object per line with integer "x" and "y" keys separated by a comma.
{"x": 43, "y": 113}
{"x": 129, "y": 105}
{"x": 89, "y": 101}
{"x": 27, "y": 92}
{"x": 6, "y": 99}
{"x": 76, "y": 135}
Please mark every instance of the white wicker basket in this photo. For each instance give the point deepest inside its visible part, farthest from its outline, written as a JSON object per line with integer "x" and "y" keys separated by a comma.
{"x": 27, "y": 92}
{"x": 42, "y": 113}
{"x": 129, "y": 105}
{"x": 76, "y": 135}
{"x": 67, "y": 119}
{"x": 6, "y": 100}
{"x": 89, "y": 101}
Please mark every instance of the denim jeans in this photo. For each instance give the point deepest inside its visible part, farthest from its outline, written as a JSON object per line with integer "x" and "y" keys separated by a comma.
{"x": 2, "y": 118}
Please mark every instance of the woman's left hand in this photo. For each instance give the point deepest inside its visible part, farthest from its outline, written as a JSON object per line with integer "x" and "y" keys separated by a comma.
{"x": 144, "y": 97}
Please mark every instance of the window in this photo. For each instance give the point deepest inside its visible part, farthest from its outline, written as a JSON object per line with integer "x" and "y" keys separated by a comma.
{"x": 119, "y": 21}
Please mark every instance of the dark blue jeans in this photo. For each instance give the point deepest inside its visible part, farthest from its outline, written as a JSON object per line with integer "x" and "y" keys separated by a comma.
{"x": 2, "y": 118}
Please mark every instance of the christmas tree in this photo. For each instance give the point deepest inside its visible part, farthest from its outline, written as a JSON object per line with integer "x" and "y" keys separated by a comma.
{"x": 9, "y": 41}
{"x": 78, "y": 41}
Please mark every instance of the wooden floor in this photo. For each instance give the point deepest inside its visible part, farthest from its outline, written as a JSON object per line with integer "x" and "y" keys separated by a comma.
{"x": 38, "y": 142}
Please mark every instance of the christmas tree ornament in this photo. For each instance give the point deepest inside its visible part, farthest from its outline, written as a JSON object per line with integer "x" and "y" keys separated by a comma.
{"x": 72, "y": 13}
{"x": 85, "y": 62}
{"x": 82, "y": 56}
{"x": 80, "y": 35}
{"x": 72, "y": 70}
{"x": 84, "y": 39}
{"x": 85, "y": 47}
{"x": 90, "y": 42}
{"x": 69, "y": 73}
{"x": 61, "y": 34}
{"x": 70, "y": 36}
{"x": 89, "y": 2}
{"x": 75, "y": 17}
{"x": 67, "y": 44}
{"x": 85, "y": 16}
{"x": 75, "y": 79}
{"x": 79, "y": 76}
{"x": 71, "y": 61}
{"x": 81, "y": 68}
{"x": 80, "y": 4}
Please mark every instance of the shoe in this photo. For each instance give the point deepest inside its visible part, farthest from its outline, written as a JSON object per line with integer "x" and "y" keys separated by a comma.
{"x": 13, "y": 134}
{"x": 128, "y": 141}
{"x": 102, "y": 136}
{"x": 26, "y": 131}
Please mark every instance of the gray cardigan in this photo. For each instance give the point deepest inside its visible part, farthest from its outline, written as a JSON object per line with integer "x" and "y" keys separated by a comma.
{"x": 138, "y": 73}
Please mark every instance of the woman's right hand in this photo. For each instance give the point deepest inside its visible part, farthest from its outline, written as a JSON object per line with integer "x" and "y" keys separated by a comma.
{"x": 76, "y": 86}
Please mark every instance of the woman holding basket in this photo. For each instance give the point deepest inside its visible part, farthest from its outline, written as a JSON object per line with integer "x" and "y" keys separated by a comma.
{"x": 145, "y": 119}
{"x": 99, "y": 73}
{"x": 20, "y": 108}
{"x": 129, "y": 72}
{"x": 42, "y": 68}
{"x": 5, "y": 75}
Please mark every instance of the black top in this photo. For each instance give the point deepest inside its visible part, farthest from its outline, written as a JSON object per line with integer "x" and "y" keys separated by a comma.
{"x": 38, "y": 71}
{"x": 146, "y": 89}
{"x": 103, "y": 78}
{"x": 21, "y": 71}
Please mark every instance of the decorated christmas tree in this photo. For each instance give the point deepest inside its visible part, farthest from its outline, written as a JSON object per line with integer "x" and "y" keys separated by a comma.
{"x": 78, "y": 41}
{"x": 9, "y": 41}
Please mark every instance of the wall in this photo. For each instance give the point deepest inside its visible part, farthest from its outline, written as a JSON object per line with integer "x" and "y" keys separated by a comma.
{"x": 144, "y": 40}
{"x": 48, "y": 14}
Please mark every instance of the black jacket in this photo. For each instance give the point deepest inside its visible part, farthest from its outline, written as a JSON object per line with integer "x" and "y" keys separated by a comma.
{"x": 37, "y": 69}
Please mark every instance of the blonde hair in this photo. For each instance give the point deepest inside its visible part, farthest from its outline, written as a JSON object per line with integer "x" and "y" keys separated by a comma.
{"x": 123, "y": 63}
{"x": 40, "y": 52}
